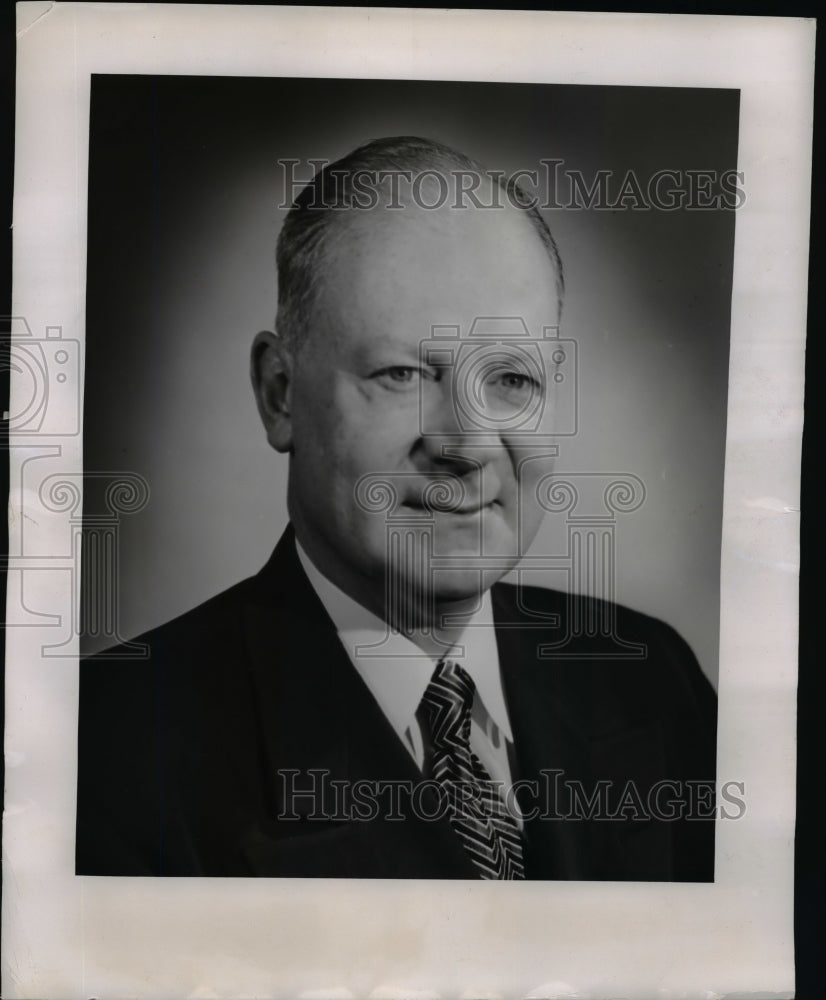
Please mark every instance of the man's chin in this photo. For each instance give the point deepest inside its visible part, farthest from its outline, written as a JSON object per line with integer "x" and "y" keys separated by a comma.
{"x": 464, "y": 585}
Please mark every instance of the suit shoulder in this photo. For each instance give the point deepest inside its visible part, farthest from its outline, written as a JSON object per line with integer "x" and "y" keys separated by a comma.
{"x": 526, "y": 599}
{"x": 202, "y": 625}
{"x": 612, "y": 633}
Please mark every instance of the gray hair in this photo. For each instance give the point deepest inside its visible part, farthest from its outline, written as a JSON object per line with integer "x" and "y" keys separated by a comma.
{"x": 339, "y": 186}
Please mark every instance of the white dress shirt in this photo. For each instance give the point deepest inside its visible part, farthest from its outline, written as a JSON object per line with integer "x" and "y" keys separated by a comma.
{"x": 397, "y": 672}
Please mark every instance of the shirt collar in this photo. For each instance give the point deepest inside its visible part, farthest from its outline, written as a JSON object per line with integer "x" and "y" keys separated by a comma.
{"x": 395, "y": 669}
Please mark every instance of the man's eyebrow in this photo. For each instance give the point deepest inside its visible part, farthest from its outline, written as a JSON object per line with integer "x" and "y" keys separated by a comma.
{"x": 386, "y": 347}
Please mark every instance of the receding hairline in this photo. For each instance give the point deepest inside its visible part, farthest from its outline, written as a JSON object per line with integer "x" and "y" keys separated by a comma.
{"x": 311, "y": 234}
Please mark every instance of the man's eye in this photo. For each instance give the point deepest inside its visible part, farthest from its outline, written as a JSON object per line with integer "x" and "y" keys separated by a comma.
{"x": 398, "y": 376}
{"x": 399, "y": 373}
{"x": 515, "y": 381}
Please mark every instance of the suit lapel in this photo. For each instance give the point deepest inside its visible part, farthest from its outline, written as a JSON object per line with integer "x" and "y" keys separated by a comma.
{"x": 322, "y": 731}
{"x": 568, "y": 731}
{"x": 534, "y": 707}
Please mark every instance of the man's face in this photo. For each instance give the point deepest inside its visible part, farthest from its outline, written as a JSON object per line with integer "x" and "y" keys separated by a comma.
{"x": 456, "y": 426}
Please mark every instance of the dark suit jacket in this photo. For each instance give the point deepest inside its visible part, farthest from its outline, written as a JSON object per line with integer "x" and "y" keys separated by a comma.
{"x": 192, "y": 762}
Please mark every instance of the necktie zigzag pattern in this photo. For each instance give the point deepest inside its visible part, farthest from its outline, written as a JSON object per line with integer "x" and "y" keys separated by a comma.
{"x": 477, "y": 813}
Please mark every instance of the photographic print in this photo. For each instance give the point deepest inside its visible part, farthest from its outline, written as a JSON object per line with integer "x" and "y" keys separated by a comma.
{"x": 404, "y": 476}
{"x": 484, "y": 399}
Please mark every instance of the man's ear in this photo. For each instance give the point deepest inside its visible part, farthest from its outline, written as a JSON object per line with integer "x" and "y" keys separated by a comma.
{"x": 271, "y": 374}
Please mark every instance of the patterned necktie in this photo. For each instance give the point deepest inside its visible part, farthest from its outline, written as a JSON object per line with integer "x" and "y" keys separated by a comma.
{"x": 476, "y": 811}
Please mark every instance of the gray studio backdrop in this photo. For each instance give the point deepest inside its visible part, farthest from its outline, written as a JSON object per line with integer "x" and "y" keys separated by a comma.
{"x": 184, "y": 193}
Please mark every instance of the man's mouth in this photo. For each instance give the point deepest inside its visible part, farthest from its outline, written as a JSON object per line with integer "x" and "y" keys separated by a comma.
{"x": 460, "y": 510}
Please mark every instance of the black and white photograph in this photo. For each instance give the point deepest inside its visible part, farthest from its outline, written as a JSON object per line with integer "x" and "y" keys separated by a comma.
{"x": 502, "y": 330}
{"x": 405, "y": 424}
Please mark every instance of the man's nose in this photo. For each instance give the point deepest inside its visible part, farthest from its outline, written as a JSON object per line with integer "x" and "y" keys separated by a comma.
{"x": 453, "y": 436}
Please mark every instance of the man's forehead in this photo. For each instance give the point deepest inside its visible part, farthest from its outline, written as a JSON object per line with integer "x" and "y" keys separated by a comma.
{"x": 448, "y": 226}
{"x": 447, "y": 266}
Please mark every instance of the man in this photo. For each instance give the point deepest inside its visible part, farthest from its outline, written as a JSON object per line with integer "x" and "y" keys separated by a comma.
{"x": 375, "y": 703}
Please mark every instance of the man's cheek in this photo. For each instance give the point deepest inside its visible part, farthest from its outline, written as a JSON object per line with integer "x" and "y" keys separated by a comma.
{"x": 371, "y": 536}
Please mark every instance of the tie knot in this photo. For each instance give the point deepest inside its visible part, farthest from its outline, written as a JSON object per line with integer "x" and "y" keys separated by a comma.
{"x": 447, "y": 703}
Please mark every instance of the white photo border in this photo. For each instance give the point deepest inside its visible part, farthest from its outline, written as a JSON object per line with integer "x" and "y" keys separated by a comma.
{"x": 72, "y": 936}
